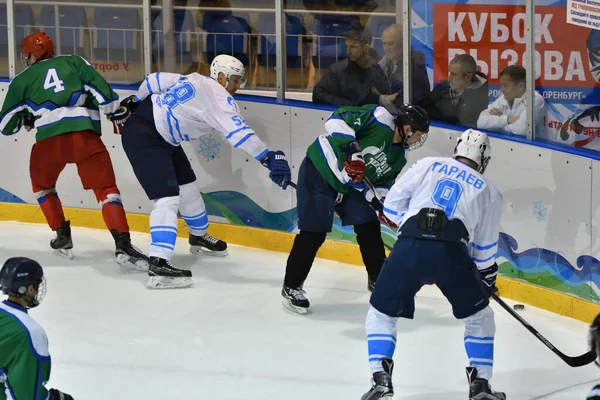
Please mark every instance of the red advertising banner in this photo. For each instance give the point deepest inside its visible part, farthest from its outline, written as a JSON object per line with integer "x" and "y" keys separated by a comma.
{"x": 495, "y": 36}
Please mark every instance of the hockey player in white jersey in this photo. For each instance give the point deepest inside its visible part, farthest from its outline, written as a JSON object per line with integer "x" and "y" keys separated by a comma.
{"x": 171, "y": 109}
{"x": 448, "y": 216}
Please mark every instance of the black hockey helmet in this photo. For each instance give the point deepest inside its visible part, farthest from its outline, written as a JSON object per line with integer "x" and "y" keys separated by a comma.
{"x": 17, "y": 274}
{"x": 418, "y": 120}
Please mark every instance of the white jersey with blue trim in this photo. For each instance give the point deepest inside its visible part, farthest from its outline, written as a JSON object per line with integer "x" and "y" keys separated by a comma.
{"x": 457, "y": 189}
{"x": 187, "y": 107}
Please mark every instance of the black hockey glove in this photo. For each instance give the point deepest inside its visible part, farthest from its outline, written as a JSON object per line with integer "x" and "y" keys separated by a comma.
{"x": 118, "y": 118}
{"x": 280, "y": 169}
{"x": 377, "y": 205}
{"x": 58, "y": 395}
{"x": 488, "y": 277}
{"x": 130, "y": 103}
{"x": 29, "y": 121}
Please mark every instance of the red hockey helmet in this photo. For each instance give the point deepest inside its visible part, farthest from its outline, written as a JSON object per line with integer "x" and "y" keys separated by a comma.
{"x": 39, "y": 44}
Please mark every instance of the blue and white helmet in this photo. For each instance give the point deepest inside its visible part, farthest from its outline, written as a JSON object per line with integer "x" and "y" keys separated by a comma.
{"x": 475, "y": 146}
{"x": 229, "y": 66}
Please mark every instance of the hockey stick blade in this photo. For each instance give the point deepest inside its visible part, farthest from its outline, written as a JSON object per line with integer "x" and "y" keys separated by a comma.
{"x": 578, "y": 361}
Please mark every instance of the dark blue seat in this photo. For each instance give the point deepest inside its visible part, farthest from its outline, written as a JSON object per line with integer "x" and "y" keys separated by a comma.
{"x": 331, "y": 43}
{"x": 184, "y": 26}
{"x": 378, "y": 25}
{"x": 227, "y": 33}
{"x": 293, "y": 43}
{"x": 118, "y": 34}
{"x": 23, "y": 21}
{"x": 72, "y": 21}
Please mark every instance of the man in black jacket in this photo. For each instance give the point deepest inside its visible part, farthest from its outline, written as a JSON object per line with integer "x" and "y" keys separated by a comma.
{"x": 462, "y": 97}
{"x": 392, "y": 67}
{"x": 355, "y": 81}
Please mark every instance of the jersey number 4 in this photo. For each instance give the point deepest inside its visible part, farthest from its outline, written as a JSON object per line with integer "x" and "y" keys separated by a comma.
{"x": 446, "y": 195}
{"x": 53, "y": 82}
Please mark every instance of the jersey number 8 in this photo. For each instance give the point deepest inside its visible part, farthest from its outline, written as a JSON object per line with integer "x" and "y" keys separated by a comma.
{"x": 446, "y": 195}
{"x": 179, "y": 94}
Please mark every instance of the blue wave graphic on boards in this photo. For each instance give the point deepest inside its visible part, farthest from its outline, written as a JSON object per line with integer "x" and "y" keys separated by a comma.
{"x": 8, "y": 197}
{"x": 539, "y": 260}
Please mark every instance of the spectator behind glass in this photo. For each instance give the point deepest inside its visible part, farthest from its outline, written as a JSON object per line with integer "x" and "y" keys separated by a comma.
{"x": 356, "y": 80}
{"x": 508, "y": 113}
{"x": 391, "y": 65}
{"x": 462, "y": 97}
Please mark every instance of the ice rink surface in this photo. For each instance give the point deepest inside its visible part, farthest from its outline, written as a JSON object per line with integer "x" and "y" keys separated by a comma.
{"x": 229, "y": 337}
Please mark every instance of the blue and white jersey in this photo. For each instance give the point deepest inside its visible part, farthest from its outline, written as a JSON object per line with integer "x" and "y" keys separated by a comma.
{"x": 457, "y": 189}
{"x": 187, "y": 107}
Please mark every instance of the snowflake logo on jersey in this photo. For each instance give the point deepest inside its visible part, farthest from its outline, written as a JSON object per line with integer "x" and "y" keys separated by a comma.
{"x": 209, "y": 147}
{"x": 539, "y": 211}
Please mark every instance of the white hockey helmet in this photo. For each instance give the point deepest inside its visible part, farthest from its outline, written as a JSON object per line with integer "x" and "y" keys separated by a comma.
{"x": 475, "y": 146}
{"x": 229, "y": 66}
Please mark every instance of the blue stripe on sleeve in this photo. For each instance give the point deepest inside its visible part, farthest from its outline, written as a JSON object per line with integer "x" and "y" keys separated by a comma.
{"x": 148, "y": 87}
{"x": 482, "y": 261}
{"x": 489, "y": 246}
{"x": 388, "y": 211}
{"x": 230, "y": 134}
{"x": 238, "y": 144}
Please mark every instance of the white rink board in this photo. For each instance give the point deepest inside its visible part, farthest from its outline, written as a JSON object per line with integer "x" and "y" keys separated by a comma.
{"x": 550, "y": 197}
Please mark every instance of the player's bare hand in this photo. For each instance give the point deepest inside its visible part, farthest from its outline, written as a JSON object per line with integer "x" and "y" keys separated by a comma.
{"x": 511, "y": 119}
{"x": 495, "y": 111}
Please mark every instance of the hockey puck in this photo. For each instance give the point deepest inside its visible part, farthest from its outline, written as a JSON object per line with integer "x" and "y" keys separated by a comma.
{"x": 519, "y": 307}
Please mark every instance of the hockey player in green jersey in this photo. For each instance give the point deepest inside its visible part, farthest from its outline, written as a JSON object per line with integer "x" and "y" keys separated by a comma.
{"x": 360, "y": 141}
{"x": 60, "y": 96}
{"x": 24, "y": 356}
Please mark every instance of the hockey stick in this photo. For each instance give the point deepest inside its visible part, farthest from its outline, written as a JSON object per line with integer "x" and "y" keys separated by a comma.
{"x": 578, "y": 361}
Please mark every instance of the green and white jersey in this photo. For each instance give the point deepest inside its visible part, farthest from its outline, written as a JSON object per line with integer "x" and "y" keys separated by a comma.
{"x": 63, "y": 93}
{"x": 373, "y": 128}
{"x": 24, "y": 357}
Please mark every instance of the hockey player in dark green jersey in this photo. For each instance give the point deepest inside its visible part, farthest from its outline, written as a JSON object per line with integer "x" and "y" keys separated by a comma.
{"x": 60, "y": 97}
{"x": 24, "y": 357}
{"x": 360, "y": 141}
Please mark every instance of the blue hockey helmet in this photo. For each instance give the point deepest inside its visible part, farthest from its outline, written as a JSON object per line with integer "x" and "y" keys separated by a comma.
{"x": 17, "y": 274}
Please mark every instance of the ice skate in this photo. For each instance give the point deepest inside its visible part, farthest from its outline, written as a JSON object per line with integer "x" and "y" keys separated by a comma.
{"x": 163, "y": 275}
{"x": 295, "y": 300}
{"x": 382, "y": 382}
{"x": 128, "y": 255}
{"x": 479, "y": 389}
{"x": 62, "y": 243}
{"x": 207, "y": 244}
